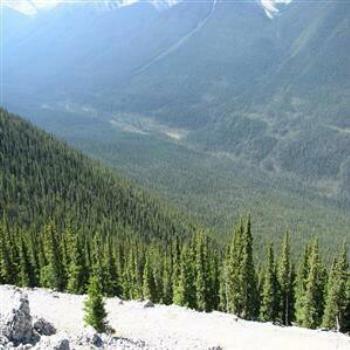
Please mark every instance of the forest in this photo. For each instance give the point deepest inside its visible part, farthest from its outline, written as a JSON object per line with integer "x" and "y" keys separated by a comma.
{"x": 67, "y": 222}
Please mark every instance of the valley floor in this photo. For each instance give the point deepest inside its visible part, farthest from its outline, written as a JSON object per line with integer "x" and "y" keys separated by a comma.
{"x": 173, "y": 327}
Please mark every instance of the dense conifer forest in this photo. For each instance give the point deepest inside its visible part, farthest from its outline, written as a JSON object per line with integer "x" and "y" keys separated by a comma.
{"x": 66, "y": 221}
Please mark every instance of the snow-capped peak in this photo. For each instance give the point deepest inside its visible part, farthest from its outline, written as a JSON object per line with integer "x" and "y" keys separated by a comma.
{"x": 30, "y": 7}
{"x": 271, "y": 6}
{"x": 33, "y": 7}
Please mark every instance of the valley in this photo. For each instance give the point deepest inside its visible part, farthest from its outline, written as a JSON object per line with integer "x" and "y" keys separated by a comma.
{"x": 223, "y": 108}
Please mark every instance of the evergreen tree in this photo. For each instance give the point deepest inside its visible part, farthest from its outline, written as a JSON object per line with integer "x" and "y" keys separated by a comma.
{"x": 167, "y": 282}
{"x": 8, "y": 271}
{"x": 184, "y": 292}
{"x": 300, "y": 285}
{"x": 336, "y": 299}
{"x": 111, "y": 282}
{"x": 176, "y": 263}
{"x": 55, "y": 269}
{"x": 285, "y": 283}
{"x": 224, "y": 280}
{"x": 313, "y": 302}
{"x": 269, "y": 297}
{"x": 95, "y": 313}
{"x": 149, "y": 285}
{"x": 201, "y": 273}
{"x": 233, "y": 273}
{"x": 77, "y": 269}
{"x": 27, "y": 273}
{"x": 247, "y": 277}
{"x": 214, "y": 285}
{"x": 346, "y": 318}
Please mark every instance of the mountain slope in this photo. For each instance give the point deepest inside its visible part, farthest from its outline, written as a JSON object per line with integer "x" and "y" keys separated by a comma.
{"x": 44, "y": 179}
{"x": 200, "y": 112}
{"x": 171, "y": 327}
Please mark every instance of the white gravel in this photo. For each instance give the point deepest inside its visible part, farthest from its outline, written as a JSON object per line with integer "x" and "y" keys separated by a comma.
{"x": 173, "y": 327}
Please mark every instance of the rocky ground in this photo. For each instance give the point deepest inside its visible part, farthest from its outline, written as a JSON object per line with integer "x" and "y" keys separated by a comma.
{"x": 42, "y": 319}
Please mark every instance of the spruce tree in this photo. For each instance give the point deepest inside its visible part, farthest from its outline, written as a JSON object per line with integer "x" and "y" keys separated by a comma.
{"x": 27, "y": 273}
{"x": 269, "y": 296}
{"x": 201, "y": 273}
{"x": 313, "y": 298}
{"x": 95, "y": 313}
{"x": 336, "y": 298}
{"x": 167, "y": 282}
{"x": 111, "y": 283}
{"x": 8, "y": 271}
{"x": 55, "y": 269}
{"x": 184, "y": 292}
{"x": 300, "y": 285}
{"x": 233, "y": 271}
{"x": 77, "y": 269}
{"x": 149, "y": 285}
{"x": 285, "y": 283}
{"x": 247, "y": 276}
{"x": 214, "y": 282}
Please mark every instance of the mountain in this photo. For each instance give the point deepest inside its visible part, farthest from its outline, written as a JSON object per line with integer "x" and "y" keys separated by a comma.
{"x": 43, "y": 179}
{"x": 199, "y": 102}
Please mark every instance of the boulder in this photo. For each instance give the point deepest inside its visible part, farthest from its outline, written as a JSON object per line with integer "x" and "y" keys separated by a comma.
{"x": 91, "y": 337}
{"x": 61, "y": 344}
{"x": 148, "y": 303}
{"x": 18, "y": 327}
{"x": 3, "y": 340}
{"x": 44, "y": 327}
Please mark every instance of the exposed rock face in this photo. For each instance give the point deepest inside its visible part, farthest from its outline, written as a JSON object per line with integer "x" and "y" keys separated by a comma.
{"x": 18, "y": 326}
{"x": 44, "y": 327}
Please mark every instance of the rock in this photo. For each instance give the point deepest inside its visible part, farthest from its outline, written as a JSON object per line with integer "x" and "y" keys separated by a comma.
{"x": 148, "y": 303}
{"x": 44, "y": 327}
{"x": 18, "y": 326}
{"x": 3, "y": 340}
{"x": 217, "y": 347}
{"x": 24, "y": 347}
{"x": 61, "y": 344}
{"x": 90, "y": 336}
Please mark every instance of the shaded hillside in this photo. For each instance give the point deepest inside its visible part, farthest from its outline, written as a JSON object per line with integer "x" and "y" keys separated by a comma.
{"x": 42, "y": 178}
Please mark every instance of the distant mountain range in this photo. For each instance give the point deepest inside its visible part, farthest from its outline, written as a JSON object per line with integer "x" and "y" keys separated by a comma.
{"x": 264, "y": 83}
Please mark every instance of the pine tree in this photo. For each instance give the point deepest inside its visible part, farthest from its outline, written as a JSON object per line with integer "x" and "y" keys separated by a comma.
{"x": 167, "y": 282}
{"x": 149, "y": 285}
{"x": 232, "y": 273}
{"x": 27, "y": 273}
{"x": 55, "y": 269}
{"x": 98, "y": 268}
{"x": 285, "y": 283}
{"x": 269, "y": 296}
{"x": 300, "y": 285}
{"x": 346, "y": 318}
{"x": 184, "y": 292}
{"x": 214, "y": 282}
{"x": 95, "y": 313}
{"x": 336, "y": 299}
{"x": 247, "y": 277}
{"x": 111, "y": 283}
{"x": 201, "y": 273}
{"x": 77, "y": 269}
{"x": 176, "y": 263}
{"x": 8, "y": 271}
{"x": 313, "y": 303}
{"x": 224, "y": 281}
